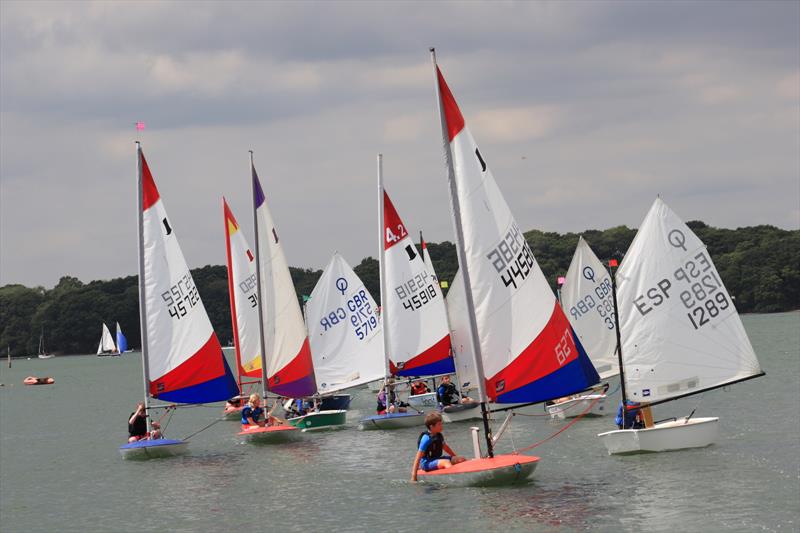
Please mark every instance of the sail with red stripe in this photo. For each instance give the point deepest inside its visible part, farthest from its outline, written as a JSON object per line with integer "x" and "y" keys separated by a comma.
{"x": 243, "y": 294}
{"x": 414, "y": 315}
{"x": 183, "y": 358}
{"x": 290, "y": 370}
{"x": 529, "y": 351}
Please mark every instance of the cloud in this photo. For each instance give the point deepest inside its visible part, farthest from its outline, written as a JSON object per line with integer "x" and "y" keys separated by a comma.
{"x": 585, "y": 112}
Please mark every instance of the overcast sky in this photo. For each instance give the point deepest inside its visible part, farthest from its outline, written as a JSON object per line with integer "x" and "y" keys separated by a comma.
{"x": 585, "y": 111}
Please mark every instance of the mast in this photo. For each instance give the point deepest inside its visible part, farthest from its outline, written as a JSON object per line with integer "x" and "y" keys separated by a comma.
{"x": 382, "y": 278}
{"x": 258, "y": 285}
{"x": 612, "y": 263}
{"x": 142, "y": 295}
{"x": 462, "y": 261}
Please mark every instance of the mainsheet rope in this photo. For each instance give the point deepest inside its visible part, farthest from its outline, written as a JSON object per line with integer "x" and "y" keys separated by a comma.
{"x": 539, "y": 443}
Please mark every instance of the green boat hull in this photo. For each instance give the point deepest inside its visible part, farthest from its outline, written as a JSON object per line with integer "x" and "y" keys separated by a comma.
{"x": 320, "y": 420}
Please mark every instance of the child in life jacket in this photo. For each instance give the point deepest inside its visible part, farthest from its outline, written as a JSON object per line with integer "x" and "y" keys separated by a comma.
{"x": 430, "y": 448}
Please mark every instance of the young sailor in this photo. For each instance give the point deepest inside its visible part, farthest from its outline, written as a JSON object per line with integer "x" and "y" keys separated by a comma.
{"x": 251, "y": 414}
{"x": 430, "y": 448}
{"x": 632, "y": 418}
{"x": 419, "y": 387}
{"x": 447, "y": 394}
{"x": 137, "y": 423}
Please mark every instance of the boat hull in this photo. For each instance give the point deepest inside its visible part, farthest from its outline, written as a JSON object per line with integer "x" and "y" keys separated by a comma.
{"x": 320, "y": 420}
{"x": 663, "y": 437}
{"x": 153, "y": 449}
{"x": 392, "y": 421}
{"x": 423, "y": 401}
{"x": 270, "y": 434}
{"x": 462, "y": 411}
{"x": 335, "y": 402}
{"x": 484, "y": 472}
{"x": 576, "y": 406}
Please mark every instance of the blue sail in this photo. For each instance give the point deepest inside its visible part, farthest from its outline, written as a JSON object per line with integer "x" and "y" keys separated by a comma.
{"x": 122, "y": 342}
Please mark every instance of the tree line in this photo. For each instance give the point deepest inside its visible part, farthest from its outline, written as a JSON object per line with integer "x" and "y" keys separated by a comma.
{"x": 760, "y": 266}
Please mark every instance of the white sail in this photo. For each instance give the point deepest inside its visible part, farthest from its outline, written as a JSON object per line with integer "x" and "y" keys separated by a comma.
{"x": 287, "y": 353}
{"x": 344, "y": 330}
{"x": 183, "y": 358}
{"x": 588, "y": 302}
{"x": 414, "y": 315}
{"x": 525, "y": 339}
{"x": 681, "y": 333}
{"x": 244, "y": 297}
{"x": 459, "y": 334}
{"x": 106, "y": 342}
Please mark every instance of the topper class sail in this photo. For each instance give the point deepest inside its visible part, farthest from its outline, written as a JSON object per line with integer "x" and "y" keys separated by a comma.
{"x": 288, "y": 365}
{"x": 678, "y": 331}
{"x": 525, "y": 349}
{"x": 415, "y": 333}
{"x": 465, "y": 409}
{"x": 243, "y": 296}
{"x": 182, "y": 359}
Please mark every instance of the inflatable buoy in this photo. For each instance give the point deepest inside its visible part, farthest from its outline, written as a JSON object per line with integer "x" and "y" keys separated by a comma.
{"x": 33, "y": 380}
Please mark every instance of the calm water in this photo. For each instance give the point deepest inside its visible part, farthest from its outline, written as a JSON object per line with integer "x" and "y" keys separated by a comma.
{"x": 60, "y": 469}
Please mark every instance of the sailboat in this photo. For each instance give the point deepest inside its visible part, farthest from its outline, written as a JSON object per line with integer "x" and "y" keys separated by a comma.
{"x": 678, "y": 332}
{"x": 344, "y": 330}
{"x": 182, "y": 360}
{"x": 243, "y": 296}
{"x": 456, "y": 412}
{"x": 523, "y": 346}
{"x": 416, "y": 340}
{"x": 122, "y": 342}
{"x": 42, "y": 353}
{"x": 589, "y": 305}
{"x": 107, "y": 345}
{"x": 288, "y": 369}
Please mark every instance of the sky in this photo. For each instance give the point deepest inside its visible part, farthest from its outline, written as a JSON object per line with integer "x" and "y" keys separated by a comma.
{"x": 584, "y": 111}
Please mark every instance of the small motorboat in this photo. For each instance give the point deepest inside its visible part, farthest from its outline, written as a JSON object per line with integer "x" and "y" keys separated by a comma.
{"x": 33, "y": 380}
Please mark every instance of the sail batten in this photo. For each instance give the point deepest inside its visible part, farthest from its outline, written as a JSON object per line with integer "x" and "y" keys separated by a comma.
{"x": 681, "y": 334}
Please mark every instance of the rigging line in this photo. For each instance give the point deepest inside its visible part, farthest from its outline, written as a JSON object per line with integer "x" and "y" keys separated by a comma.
{"x": 535, "y": 444}
{"x": 203, "y": 429}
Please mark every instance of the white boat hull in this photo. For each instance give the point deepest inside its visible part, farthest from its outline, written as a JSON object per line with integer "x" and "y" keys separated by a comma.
{"x": 665, "y": 436}
{"x": 576, "y": 406}
{"x": 393, "y": 421}
{"x": 153, "y": 449}
{"x": 457, "y": 413}
{"x": 423, "y": 401}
